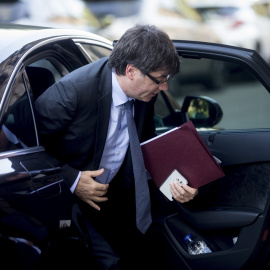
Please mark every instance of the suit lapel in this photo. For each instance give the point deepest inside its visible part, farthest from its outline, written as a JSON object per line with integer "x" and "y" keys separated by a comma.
{"x": 103, "y": 117}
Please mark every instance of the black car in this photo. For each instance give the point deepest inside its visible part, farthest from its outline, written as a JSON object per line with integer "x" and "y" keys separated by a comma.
{"x": 38, "y": 228}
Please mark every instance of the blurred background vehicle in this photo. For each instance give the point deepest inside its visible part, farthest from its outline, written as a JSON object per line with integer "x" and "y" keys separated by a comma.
{"x": 240, "y": 23}
{"x": 165, "y": 15}
{"x": 49, "y": 13}
{"x": 117, "y": 8}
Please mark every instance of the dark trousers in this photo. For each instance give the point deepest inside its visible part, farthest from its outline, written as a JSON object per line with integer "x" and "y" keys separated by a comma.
{"x": 115, "y": 241}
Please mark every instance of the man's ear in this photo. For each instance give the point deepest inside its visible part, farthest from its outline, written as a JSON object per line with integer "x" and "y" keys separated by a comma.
{"x": 130, "y": 71}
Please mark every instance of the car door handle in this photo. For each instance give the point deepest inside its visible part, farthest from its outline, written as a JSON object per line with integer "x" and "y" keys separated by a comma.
{"x": 212, "y": 135}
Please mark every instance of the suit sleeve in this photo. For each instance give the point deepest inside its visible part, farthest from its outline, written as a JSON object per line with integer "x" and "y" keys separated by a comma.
{"x": 55, "y": 109}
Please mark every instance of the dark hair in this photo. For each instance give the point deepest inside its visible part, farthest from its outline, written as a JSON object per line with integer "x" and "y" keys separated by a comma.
{"x": 147, "y": 48}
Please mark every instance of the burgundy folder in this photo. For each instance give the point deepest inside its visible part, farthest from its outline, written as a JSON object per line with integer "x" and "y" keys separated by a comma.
{"x": 183, "y": 149}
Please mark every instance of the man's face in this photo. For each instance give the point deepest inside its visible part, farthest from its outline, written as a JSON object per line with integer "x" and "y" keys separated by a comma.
{"x": 143, "y": 87}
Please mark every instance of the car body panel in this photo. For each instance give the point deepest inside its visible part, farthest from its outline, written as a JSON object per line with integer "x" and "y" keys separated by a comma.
{"x": 36, "y": 204}
{"x": 17, "y": 36}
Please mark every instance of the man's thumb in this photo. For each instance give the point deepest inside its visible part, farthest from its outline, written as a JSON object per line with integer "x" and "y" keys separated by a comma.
{"x": 97, "y": 173}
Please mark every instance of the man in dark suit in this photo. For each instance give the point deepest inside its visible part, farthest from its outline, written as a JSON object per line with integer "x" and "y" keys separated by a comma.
{"x": 83, "y": 123}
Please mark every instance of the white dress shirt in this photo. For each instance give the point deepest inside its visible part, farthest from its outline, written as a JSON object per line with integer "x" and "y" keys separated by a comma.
{"x": 117, "y": 140}
{"x": 117, "y": 137}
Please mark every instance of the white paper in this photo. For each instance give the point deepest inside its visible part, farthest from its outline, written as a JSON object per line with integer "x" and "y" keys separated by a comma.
{"x": 156, "y": 137}
{"x": 174, "y": 176}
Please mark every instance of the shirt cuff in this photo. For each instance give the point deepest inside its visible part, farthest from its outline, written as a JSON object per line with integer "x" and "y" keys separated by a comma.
{"x": 75, "y": 182}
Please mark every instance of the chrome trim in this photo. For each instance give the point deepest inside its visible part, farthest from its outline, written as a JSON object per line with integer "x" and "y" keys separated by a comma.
{"x": 81, "y": 48}
{"x": 79, "y": 43}
{"x": 94, "y": 42}
{"x": 31, "y": 105}
{"x": 20, "y": 152}
{"x": 49, "y": 185}
{"x": 6, "y": 93}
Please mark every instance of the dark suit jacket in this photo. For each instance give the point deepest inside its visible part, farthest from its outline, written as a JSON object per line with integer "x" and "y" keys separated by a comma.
{"x": 73, "y": 119}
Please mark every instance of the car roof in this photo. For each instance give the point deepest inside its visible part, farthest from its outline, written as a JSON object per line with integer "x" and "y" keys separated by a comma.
{"x": 14, "y": 37}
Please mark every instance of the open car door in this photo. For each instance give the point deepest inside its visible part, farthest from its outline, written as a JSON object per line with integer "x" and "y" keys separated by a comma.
{"x": 231, "y": 214}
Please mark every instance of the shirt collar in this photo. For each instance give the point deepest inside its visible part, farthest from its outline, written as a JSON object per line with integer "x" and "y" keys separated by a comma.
{"x": 118, "y": 95}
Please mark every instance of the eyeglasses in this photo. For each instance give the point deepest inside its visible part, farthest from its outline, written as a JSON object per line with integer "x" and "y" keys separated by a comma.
{"x": 157, "y": 81}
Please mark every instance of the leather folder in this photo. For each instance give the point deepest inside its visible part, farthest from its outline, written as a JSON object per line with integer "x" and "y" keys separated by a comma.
{"x": 182, "y": 149}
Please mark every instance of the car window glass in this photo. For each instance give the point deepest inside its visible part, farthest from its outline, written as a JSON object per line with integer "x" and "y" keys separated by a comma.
{"x": 17, "y": 125}
{"x": 96, "y": 52}
{"x": 161, "y": 109}
{"x": 241, "y": 96}
{"x": 165, "y": 106}
{"x": 42, "y": 74}
{"x": 46, "y": 64}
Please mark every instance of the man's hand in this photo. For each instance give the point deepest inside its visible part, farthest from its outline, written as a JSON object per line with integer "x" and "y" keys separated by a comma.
{"x": 183, "y": 193}
{"x": 89, "y": 190}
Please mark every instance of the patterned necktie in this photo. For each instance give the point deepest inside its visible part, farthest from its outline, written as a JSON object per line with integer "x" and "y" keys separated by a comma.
{"x": 142, "y": 196}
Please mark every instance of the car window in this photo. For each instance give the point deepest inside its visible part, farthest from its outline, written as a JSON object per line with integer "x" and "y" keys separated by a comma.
{"x": 18, "y": 128}
{"x": 95, "y": 52}
{"x": 43, "y": 73}
{"x": 17, "y": 125}
{"x": 165, "y": 107}
{"x": 47, "y": 64}
{"x": 241, "y": 96}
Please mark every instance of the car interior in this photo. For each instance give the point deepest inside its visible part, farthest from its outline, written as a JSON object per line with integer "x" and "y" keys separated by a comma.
{"x": 40, "y": 79}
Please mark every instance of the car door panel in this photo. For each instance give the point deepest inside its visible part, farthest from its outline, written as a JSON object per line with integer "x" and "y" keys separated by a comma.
{"x": 236, "y": 146}
{"x": 245, "y": 192}
{"x": 219, "y": 236}
{"x": 230, "y": 214}
{"x": 43, "y": 176}
{"x": 220, "y": 218}
{"x": 35, "y": 202}
{"x": 233, "y": 206}
{"x": 246, "y": 169}
{"x": 31, "y": 205}
{"x": 225, "y": 254}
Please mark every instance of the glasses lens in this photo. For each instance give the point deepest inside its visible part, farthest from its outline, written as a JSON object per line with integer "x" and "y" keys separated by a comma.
{"x": 156, "y": 81}
{"x": 168, "y": 77}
